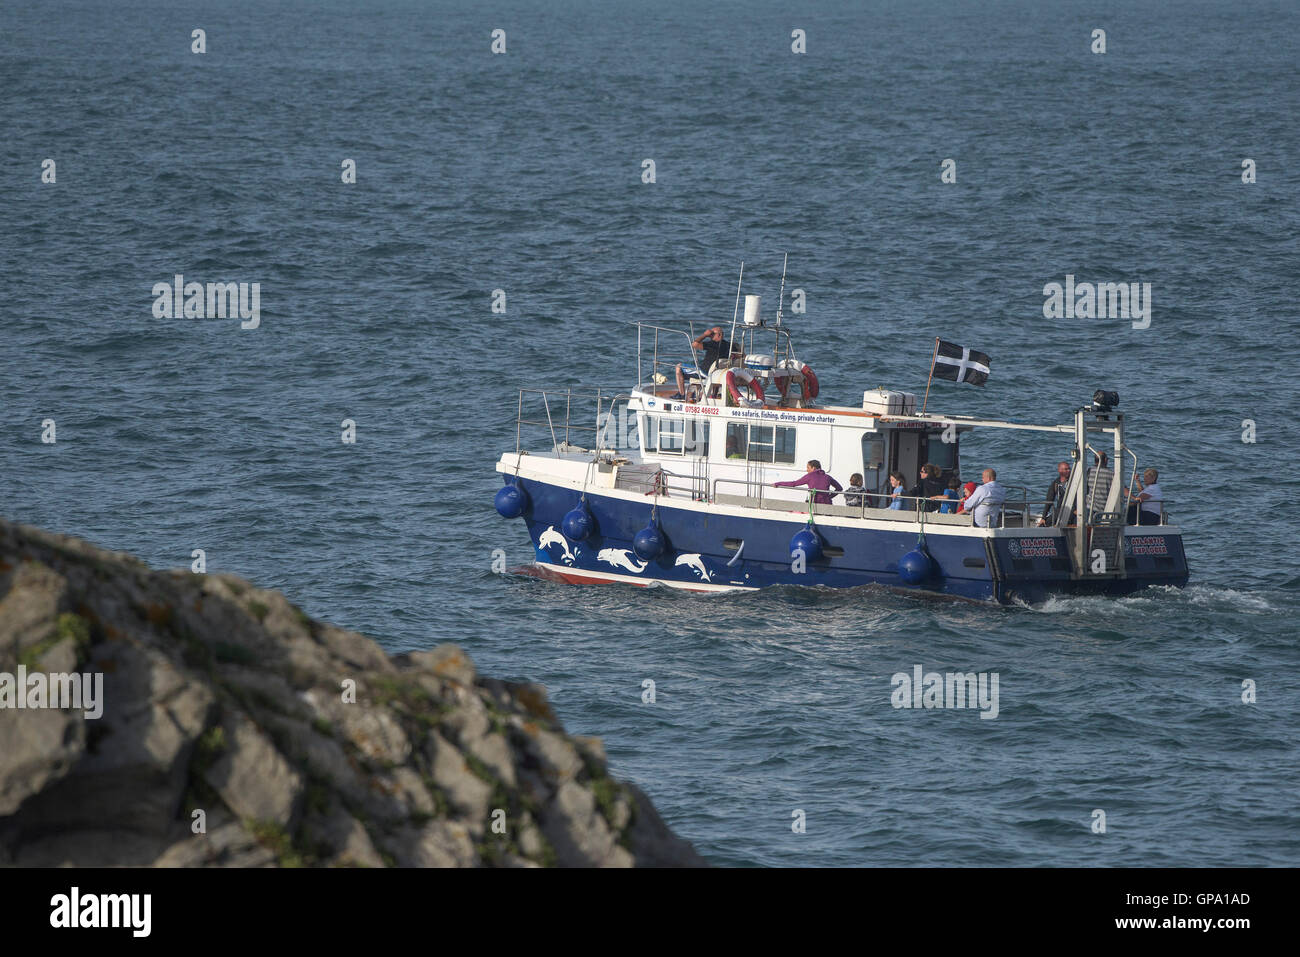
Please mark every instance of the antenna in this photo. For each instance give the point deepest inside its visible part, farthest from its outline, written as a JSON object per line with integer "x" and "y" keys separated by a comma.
{"x": 780, "y": 302}
{"x": 735, "y": 312}
{"x": 780, "y": 299}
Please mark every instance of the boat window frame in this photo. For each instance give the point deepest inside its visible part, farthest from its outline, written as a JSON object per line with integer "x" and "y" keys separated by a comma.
{"x": 872, "y": 482}
{"x": 954, "y": 447}
{"x": 692, "y": 434}
{"x": 788, "y": 444}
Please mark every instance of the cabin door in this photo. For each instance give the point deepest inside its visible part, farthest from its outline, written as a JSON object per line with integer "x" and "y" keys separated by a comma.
{"x": 873, "y": 462}
{"x": 907, "y": 456}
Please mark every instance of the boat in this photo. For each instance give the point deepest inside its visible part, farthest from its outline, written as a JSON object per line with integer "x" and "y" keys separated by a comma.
{"x": 656, "y": 486}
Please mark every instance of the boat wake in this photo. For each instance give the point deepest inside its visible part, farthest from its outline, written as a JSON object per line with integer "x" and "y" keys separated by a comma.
{"x": 1210, "y": 597}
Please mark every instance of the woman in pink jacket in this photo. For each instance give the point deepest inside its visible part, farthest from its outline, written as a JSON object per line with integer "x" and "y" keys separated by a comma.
{"x": 815, "y": 478}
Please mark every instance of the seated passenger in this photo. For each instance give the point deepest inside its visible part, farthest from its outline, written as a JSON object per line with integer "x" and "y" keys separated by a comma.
{"x": 1148, "y": 505}
{"x": 896, "y": 481}
{"x": 930, "y": 486}
{"x": 855, "y": 493}
{"x": 714, "y": 347}
{"x": 951, "y": 497}
{"x": 815, "y": 479}
{"x": 986, "y": 501}
{"x": 966, "y": 493}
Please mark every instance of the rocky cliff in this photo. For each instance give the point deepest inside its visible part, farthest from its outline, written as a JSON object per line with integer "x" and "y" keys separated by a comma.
{"x": 237, "y": 731}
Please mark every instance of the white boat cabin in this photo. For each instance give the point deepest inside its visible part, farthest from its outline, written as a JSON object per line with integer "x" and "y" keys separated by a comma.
{"x": 749, "y": 422}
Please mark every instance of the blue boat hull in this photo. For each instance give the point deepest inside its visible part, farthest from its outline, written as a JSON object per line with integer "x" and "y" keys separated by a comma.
{"x": 696, "y": 555}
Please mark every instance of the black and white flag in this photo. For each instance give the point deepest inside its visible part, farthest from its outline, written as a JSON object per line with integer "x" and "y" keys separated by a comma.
{"x": 960, "y": 365}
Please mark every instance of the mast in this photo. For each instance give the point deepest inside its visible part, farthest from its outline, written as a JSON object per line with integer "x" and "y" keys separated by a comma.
{"x": 931, "y": 376}
{"x": 735, "y": 312}
{"x": 780, "y": 301}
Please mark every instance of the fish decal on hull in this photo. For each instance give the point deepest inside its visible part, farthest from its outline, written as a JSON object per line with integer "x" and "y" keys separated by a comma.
{"x": 552, "y": 537}
{"x": 621, "y": 558}
{"x": 694, "y": 561}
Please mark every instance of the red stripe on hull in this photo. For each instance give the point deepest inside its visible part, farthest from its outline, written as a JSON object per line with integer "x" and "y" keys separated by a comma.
{"x": 578, "y": 578}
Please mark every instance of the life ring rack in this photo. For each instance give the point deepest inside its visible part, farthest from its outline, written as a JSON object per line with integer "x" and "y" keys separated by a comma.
{"x": 810, "y": 384}
{"x": 738, "y": 377}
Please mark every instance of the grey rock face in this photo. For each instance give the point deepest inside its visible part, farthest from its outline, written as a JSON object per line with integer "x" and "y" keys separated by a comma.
{"x": 238, "y": 732}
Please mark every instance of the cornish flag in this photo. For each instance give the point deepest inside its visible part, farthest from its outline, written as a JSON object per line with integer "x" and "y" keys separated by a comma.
{"x": 960, "y": 365}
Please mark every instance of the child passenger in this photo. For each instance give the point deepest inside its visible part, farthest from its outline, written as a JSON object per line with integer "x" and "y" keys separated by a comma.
{"x": 953, "y": 494}
{"x": 853, "y": 495}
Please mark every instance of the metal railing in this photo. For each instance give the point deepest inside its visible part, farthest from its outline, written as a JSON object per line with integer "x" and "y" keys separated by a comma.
{"x": 687, "y": 357}
{"x": 1127, "y": 498}
{"x": 920, "y": 507}
{"x": 564, "y": 412}
{"x": 655, "y": 480}
{"x": 659, "y": 481}
{"x": 1164, "y": 515}
{"x": 688, "y": 337}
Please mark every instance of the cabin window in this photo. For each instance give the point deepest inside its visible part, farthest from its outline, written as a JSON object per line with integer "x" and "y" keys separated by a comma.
{"x": 760, "y": 443}
{"x": 783, "y": 447}
{"x": 941, "y": 453}
{"x": 873, "y": 460}
{"x": 697, "y": 436}
{"x": 873, "y": 451}
{"x": 672, "y": 436}
{"x": 675, "y": 436}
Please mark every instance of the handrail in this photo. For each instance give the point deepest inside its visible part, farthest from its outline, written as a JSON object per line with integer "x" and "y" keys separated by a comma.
{"x": 1128, "y": 489}
{"x": 552, "y": 421}
{"x": 1164, "y": 515}
{"x": 760, "y": 491}
{"x": 600, "y": 437}
{"x": 654, "y": 361}
{"x": 917, "y": 504}
{"x": 1017, "y": 506}
{"x": 778, "y": 353}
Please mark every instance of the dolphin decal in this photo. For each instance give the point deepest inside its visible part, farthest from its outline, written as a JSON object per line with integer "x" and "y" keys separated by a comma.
{"x": 552, "y": 537}
{"x": 622, "y": 558}
{"x": 693, "y": 561}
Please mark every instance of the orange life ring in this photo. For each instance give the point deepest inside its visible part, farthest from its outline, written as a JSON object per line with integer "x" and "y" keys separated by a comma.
{"x": 750, "y": 381}
{"x": 810, "y": 384}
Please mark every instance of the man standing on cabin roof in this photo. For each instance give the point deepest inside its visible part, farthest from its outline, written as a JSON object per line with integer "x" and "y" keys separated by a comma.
{"x": 815, "y": 478}
{"x": 715, "y": 347}
{"x": 986, "y": 501}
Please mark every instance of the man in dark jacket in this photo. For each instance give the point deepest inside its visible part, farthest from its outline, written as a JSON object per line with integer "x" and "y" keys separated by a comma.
{"x": 713, "y": 346}
{"x": 1055, "y": 492}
